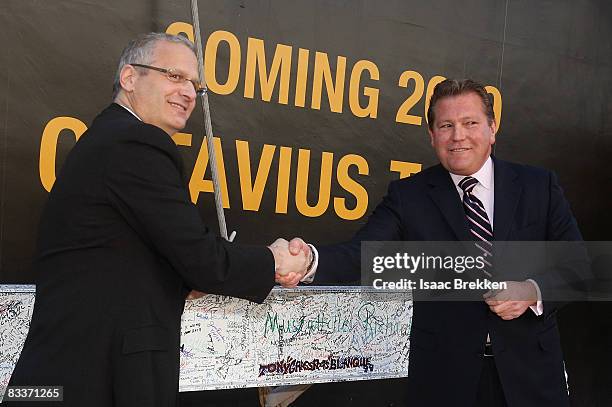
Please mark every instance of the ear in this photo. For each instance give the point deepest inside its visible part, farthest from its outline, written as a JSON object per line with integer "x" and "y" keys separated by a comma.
{"x": 431, "y": 136}
{"x": 128, "y": 77}
{"x": 493, "y": 128}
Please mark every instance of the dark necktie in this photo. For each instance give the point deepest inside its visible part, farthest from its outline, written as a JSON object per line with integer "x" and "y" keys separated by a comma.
{"x": 480, "y": 226}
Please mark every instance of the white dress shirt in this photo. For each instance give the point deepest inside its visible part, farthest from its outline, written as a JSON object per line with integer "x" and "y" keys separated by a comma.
{"x": 129, "y": 110}
{"x": 484, "y": 190}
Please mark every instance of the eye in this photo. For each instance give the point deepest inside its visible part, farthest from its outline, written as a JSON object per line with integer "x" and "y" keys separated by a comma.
{"x": 472, "y": 123}
{"x": 175, "y": 77}
{"x": 445, "y": 126}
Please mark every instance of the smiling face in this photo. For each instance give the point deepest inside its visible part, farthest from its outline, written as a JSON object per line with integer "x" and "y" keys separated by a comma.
{"x": 156, "y": 99}
{"x": 461, "y": 134}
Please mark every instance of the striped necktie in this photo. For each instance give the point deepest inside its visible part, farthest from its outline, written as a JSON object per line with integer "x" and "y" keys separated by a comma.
{"x": 478, "y": 221}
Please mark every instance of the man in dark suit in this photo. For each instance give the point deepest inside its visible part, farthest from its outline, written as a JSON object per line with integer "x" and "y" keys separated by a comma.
{"x": 504, "y": 351}
{"x": 120, "y": 245}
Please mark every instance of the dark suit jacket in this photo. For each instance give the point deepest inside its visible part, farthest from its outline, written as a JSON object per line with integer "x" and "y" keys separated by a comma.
{"x": 447, "y": 338}
{"x": 119, "y": 245}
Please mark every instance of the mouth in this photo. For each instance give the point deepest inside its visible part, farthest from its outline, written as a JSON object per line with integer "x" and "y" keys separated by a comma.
{"x": 178, "y": 106}
{"x": 459, "y": 149}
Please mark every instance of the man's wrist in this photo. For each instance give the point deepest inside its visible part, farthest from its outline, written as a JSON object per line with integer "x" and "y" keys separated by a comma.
{"x": 313, "y": 258}
{"x": 312, "y": 268}
{"x": 537, "y": 306}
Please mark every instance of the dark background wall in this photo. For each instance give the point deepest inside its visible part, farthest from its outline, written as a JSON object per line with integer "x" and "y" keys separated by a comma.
{"x": 550, "y": 60}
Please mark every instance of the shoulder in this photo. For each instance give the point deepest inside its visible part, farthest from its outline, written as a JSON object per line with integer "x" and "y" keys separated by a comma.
{"x": 421, "y": 180}
{"x": 522, "y": 169}
{"x": 128, "y": 135}
{"x": 526, "y": 174}
{"x": 147, "y": 134}
{"x": 147, "y": 147}
{"x": 123, "y": 126}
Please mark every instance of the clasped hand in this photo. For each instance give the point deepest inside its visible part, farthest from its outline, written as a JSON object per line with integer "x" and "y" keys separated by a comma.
{"x": 512, "y": 302}
{"x": 291, "y": 259}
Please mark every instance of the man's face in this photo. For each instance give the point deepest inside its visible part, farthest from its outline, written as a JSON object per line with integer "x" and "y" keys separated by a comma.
{"x": 159, "y": 101}
{"x": 461, "y": 133}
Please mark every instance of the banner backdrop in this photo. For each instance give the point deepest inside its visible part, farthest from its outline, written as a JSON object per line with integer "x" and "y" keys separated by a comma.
{"x": 316, "y": 104}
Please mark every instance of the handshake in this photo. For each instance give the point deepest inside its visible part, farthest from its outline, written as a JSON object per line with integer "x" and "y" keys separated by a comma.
{"x": 293, "y": 260}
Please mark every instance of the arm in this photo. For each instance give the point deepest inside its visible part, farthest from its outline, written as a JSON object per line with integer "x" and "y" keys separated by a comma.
{"x": 342, "y": 262}
{"x": 567, "y": 274}
{"x": 144, "y": 185}
{"x": 561, "y": 278}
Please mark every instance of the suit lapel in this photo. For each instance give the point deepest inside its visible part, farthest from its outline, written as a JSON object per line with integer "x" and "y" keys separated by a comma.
{"x": 507, "y": 194}
{"x": 444, "y": 194}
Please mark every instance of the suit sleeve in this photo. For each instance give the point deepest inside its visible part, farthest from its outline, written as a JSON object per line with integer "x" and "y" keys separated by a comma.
{"x": 341, "y": 263}
{"x": 144, "y": 184}
{"x": 570, "y": 272}
{"x": 562, "y": 224}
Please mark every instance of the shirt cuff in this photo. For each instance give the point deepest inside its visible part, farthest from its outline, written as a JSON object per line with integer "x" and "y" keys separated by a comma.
{"x": 537, "y": 309}
{"x": 309, "y": 277}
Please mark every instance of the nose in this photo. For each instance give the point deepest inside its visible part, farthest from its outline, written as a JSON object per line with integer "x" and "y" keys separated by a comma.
{"x": 459, "y": 133}
{"x": 188, "y": 91}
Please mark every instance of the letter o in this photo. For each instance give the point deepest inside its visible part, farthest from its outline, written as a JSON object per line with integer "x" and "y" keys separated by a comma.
{"x": 48, "y": 146}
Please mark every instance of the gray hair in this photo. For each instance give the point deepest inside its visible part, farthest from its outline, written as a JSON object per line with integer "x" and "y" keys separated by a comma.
{"x": 140, "y": 51}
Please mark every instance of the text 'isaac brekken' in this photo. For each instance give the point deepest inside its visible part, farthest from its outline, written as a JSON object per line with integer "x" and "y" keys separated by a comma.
{"x": 456, "y": 284}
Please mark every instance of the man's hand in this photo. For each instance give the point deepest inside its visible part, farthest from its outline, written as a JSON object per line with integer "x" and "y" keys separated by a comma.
{"x": 194, "y": 295}
{"x": 513, "y": 301}
{"x": 291, "y": 259}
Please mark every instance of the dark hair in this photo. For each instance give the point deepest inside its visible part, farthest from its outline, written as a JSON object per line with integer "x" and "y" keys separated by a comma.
{"x": 455, "y": 87}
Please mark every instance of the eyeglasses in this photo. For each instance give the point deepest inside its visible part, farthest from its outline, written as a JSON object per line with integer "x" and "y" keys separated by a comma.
{"x": 174, "y": 76}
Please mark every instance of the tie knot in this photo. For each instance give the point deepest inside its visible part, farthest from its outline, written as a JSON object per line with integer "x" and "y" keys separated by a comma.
{"x": 467, "y": 184}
